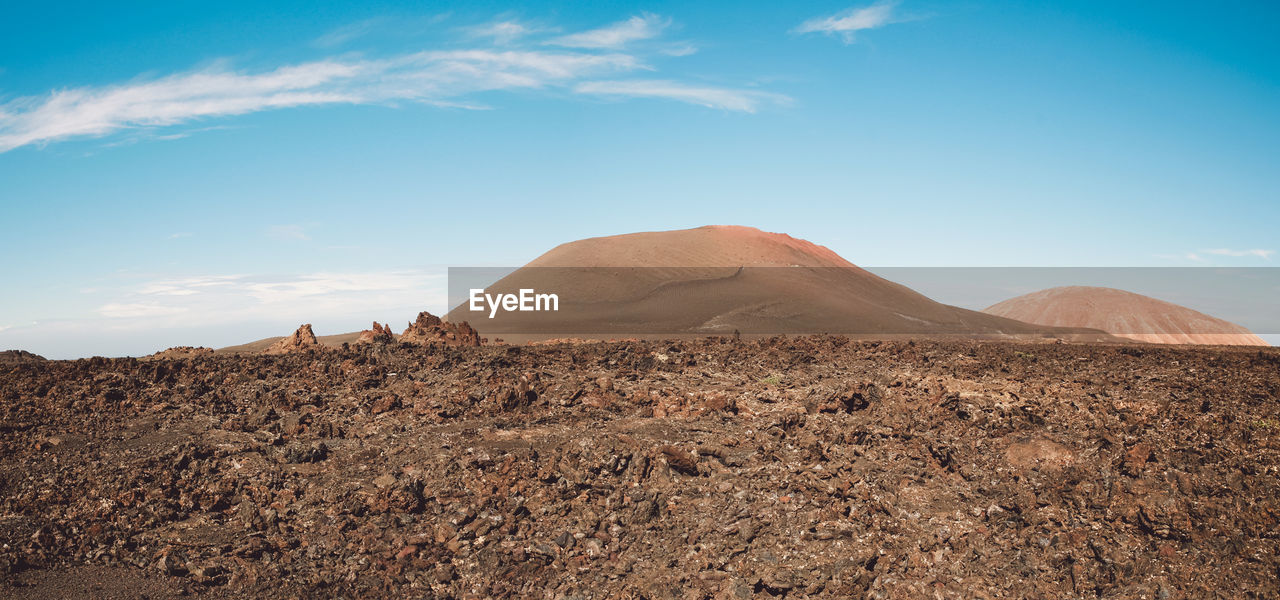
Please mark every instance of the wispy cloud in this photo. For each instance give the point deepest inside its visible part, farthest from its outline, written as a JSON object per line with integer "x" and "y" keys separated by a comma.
{"x": 291, "y": 232}
{"x": 1201, "y": 256}
{"x": 1263, "y": 254}
{"x": 617, "y": 35}
{"x": 150, "y": 135}
{"x": 424, "y": 76}
{"x": 347, "y": 33}
{"x": 711, "y": 97}
{"x": 187, "y": 286}
{"x": 240, "y": 298}
{"x": 504, "y": 32}
{"x": 138, "y": 310}
{"x": 847, "y": 23}
{"x": 436, "y": 77}
{"x": 168, "y": 101}
{"x": 323, "y": 285}
{"x": 680, "y": 49}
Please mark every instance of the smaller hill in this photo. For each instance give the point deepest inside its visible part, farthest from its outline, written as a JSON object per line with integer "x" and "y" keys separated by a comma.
{"x": 1124, "y": 314}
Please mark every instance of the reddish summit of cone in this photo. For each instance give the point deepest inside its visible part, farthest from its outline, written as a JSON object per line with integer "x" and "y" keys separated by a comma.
{"x": 709, "y": 246}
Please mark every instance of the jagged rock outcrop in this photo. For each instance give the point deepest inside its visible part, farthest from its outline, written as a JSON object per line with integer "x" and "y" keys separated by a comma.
{"x": 301, "y": 340}
{"x": 430, "y": 329}
{"x": 380, "y": 334}
{"x": 180, "y": 352}
{"x": 15, "y": 356}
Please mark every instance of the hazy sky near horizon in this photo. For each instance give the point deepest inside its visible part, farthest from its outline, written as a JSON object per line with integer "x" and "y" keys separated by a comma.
{"x": 172, "y": 174}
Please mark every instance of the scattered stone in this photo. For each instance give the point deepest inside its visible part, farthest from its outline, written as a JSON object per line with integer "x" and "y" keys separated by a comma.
{"x": 306, "y": 453}
{"x": 680, "y": 460}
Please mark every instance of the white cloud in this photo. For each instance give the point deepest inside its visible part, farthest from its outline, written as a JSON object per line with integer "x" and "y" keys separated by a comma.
{"x": 616, "y": 35}
{"x": 321, "y": 286}
{"x": 138, "y": 310}
{"x": 347, "y": 33}
{"x": 433, "y": 76}
{"x": 186, "y": 286}
{"x": 711, "y": 97}
{"x": 683, "y": 49}
{"x": 437, "y": 77}
{"x": 288, "y": 232}
{"x": 171, "y": 100}
{"x": 1263, "y": 254}
{"x": 847, "y": 23}
{"x": 503, "y": 32}
{"x": 244, "y": 298}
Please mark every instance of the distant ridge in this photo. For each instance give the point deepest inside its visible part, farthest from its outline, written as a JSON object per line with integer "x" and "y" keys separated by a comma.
{"x": 1124, "y": 314}
{"x": 16, "y": 356}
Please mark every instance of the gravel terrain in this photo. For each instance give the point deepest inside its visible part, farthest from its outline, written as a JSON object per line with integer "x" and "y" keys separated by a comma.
{"x": 812, "y": 467}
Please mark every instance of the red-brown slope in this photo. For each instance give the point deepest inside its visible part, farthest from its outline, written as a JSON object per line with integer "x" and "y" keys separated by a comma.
{"x": 1124, "y": 314}
{"x": 719, "y": 279}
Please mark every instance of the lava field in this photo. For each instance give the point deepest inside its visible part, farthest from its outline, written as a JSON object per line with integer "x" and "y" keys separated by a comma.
{"x": 808, "y": 467}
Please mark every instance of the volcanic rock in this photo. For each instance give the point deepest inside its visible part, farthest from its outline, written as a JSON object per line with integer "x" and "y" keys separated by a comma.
{"x": 179, "y": 352}
{"x": 378, "y": 334}
{"x": 679, "y": 460}
{"x": 1124, "y": 314}
{"x": 16, "y": 356}
{"x": 301, "y": 340}
{"x": 429, "y": 329}
{"x": 941, "y": 469}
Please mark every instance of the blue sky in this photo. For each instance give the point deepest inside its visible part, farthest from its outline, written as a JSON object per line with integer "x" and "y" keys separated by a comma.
{"x": 206, "y": 175}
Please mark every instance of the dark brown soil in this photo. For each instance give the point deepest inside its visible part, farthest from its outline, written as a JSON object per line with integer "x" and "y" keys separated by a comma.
{"x": 798, "y": 468}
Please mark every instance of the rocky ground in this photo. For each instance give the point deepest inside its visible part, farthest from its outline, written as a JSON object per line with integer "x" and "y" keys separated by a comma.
{"x": 797, "y": 468}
